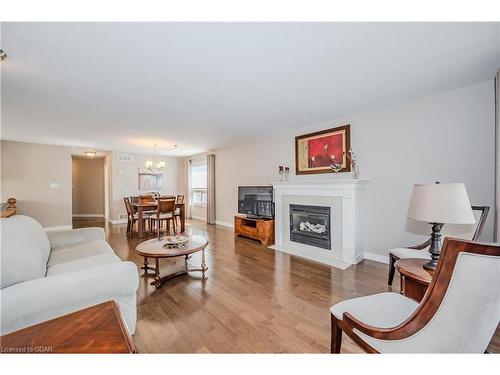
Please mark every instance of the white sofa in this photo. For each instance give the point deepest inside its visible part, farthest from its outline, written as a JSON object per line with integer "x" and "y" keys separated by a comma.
{"x": 46, "y": 275}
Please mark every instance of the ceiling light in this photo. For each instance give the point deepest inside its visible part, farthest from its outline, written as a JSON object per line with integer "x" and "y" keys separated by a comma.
{"x": 90, "y": 153}
{"x": 3, "y": 55}
{"x": 157, "y": 166}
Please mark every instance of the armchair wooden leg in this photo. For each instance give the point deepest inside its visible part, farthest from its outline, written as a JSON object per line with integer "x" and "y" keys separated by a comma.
{"x": 336, "y": 340}
{"x": 392, "y": 269}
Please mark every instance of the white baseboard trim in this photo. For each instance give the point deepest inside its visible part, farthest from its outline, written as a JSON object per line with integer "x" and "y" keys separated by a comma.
{"x": 376, "y": 257}
{"x": 88, "y": 215}
{"x": 119, "y": 221}
{"x": 223, "y": 223}
{"x": 60, "y": 227}
{"x": 201, "y": 218}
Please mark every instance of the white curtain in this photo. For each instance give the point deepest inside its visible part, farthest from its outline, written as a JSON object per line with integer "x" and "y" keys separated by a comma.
{"x": 187, "y": 200}
{"x": 211, "y": 189}
{"x": 497, "y": 157}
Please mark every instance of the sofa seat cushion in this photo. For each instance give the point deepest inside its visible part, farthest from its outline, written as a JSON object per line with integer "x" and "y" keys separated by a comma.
{"x": 24, "y": 250}
{"x": 78, "y": 251}
{"x": 82, "y": 264}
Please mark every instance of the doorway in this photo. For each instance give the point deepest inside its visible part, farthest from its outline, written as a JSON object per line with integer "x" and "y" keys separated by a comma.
{"x": 88, "y": 193}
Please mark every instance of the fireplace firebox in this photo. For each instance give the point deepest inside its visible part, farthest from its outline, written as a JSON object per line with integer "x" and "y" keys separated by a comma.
{"x": 310, "y": 225}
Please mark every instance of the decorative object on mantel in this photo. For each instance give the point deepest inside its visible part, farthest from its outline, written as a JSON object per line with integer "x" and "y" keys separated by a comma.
{"x": 284, "y": 172}
{"x": 287, "y": 173}
{"x": 156, "y": 166}
{"x": 3, "y": 55}
{"x": 336, "y": 167}
{"x": 316, "y": 152}
{"x": 439, "y": 204}
{"x": 353, "y": 158}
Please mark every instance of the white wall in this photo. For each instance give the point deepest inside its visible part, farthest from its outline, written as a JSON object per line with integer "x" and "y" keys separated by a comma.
{"x": 125, "y": 179}
{"x": 447, "y": 137}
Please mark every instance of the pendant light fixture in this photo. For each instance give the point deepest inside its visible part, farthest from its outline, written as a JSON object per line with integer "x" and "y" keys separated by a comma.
{"x": 154, "y": 165}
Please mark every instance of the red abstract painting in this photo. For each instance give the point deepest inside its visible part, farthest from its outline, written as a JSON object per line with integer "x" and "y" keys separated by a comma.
{"x": 322, "y": 151}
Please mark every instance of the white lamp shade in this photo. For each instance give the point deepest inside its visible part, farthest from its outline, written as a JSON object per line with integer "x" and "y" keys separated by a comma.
{"x": 441, "y": 203}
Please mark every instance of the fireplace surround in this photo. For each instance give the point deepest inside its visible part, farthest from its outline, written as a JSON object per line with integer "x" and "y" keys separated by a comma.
{"x": 344, "y": 197}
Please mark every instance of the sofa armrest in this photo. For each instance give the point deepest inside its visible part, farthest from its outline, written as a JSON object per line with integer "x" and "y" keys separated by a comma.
{"x": 38, "y": 300}
{"x": 74, "y": 236}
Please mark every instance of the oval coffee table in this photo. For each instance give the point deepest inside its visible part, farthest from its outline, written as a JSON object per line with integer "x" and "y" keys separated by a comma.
{"x": 154, "y": 249}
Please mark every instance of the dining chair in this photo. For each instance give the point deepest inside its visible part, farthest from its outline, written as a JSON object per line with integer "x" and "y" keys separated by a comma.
{"x": 178, "y": 200}
{"x": 132, "y": 217}
{"x": 421, "y": 251}
{"x": 144, "y": 199}
{"x": 164, "y": 213}
{"x": 459, "y": 312}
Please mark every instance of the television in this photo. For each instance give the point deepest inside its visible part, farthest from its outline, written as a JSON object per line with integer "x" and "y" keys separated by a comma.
{"x": 256, "y": 201}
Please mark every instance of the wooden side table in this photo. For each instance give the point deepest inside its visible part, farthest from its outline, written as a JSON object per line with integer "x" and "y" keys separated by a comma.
{"x": 97, "y": 329}
{"x": 414, "y": 278}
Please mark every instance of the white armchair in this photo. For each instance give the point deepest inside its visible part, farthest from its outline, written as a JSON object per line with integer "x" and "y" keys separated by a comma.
{"x": 48, "y": 275}
{"x": 458, "y": 314}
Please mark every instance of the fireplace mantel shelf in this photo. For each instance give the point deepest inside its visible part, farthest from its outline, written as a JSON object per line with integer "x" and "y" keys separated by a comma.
{"x": 345, "y": 181}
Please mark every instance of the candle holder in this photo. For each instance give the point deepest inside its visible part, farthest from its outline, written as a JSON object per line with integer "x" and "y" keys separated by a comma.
{"x": 281, "y": 171}
{"x": 287, "y": 173}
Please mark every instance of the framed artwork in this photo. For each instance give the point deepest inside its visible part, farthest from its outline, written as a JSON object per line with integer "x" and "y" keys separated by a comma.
{"x": 150, "y": 181}
{"x": 315, "y": 152}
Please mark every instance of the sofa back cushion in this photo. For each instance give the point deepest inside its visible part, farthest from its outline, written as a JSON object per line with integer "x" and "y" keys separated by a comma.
{"x": 25, "y": 250}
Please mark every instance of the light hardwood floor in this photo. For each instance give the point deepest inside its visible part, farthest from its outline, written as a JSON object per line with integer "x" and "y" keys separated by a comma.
{"x": 254, "y": 300}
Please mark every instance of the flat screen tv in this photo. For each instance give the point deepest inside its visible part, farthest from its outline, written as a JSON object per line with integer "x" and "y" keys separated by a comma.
{"x": 256, "y": 201}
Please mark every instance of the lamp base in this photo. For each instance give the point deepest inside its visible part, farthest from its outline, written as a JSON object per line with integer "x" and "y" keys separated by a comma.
{"x": 435, "y": 248}
{"x": 430, "y": 265}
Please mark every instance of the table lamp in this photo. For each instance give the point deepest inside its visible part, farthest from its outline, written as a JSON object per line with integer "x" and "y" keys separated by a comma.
{"x": 439, "y": 204}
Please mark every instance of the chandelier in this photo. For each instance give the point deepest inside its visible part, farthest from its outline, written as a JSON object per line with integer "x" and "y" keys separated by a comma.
{"x": 157, "y": 166}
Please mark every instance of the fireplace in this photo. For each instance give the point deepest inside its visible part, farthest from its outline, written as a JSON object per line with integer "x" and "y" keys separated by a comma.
{"x": 310, "y": 225}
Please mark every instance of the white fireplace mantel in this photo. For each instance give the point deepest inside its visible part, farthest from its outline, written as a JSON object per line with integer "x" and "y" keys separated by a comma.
{"x": 343, "y": 197}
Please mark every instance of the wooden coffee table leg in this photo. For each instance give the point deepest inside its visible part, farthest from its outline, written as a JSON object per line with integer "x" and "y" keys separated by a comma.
{"x": 203, "y": 264}
{"x": 157, "y": 281}
{"x": 146, "y": 265}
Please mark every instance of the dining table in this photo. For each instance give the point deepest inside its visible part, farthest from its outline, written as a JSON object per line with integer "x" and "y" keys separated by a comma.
{"x": 141, "y": 207}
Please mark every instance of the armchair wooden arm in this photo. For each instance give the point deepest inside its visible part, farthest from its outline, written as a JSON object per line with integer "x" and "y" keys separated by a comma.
{"x": 421, "y": 246}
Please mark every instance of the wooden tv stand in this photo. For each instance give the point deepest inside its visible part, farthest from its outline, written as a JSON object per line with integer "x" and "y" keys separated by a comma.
{"x": 258, "y": 229}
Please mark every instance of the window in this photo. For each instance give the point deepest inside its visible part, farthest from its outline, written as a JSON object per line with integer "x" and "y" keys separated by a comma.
{"x": 199, "y": 184}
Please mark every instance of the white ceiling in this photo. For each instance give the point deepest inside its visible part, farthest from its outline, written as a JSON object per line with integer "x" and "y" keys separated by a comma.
{"x": 124, "y": 86}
